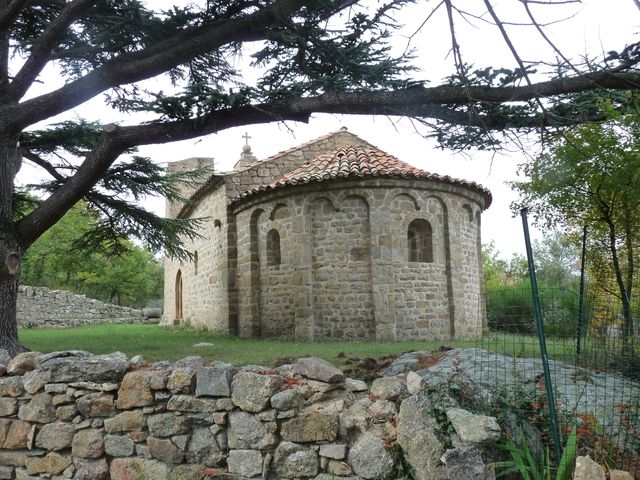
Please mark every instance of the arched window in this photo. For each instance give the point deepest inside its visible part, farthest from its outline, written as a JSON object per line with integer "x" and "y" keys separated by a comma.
{"x": 419, "y": 241}
{"x": 273, "y": 248}
{"x": 195, "y": 263}
{"x": 469, "y": 211}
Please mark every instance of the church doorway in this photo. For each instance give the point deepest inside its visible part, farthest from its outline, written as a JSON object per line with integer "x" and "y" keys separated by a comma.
{"x": 178, "y": 318}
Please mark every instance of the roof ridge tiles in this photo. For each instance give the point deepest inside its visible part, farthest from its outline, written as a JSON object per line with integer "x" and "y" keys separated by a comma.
{"x": 355, "y": 161}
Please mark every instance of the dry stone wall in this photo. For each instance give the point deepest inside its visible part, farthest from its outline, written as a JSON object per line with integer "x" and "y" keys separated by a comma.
{"x": 75, "y": 415}
{"x": 43, "y": 307}
{"x": 79, "y": 416}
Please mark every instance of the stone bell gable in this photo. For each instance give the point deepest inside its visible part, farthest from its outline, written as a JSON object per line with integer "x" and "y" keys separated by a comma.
{"x": 332, "y": 239}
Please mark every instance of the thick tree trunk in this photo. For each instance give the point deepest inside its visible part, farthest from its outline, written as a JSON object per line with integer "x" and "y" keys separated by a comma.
{"x": 8, "y": 326}
{"x": 10, "y": 250}
{"x": 627, "y": 317}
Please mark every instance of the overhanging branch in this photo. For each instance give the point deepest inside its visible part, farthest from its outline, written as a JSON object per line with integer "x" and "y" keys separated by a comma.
{"x": 41, "y": 49}
{"x": 30, "y": 227}
{"x": 149, "y": 62}
{"x": 9, "y": 15}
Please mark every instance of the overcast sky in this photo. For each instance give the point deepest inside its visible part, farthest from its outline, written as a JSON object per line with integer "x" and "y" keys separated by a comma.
{"x": 596, "y": 27}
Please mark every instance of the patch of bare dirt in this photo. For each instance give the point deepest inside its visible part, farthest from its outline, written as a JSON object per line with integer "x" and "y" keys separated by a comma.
{"x": 369, "y": 368}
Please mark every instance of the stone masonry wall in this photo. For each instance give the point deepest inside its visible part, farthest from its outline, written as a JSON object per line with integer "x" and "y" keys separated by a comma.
{"x": 75, "y": 415}
{"x": 341, "y": 268}
{"x": 42, "y": 307}
{"x": 205, "y": 300}
{"x": 186, "y": 189}
{"x": 345, "y": 269}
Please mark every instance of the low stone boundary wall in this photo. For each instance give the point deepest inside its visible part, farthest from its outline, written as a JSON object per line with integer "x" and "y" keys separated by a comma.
{"x": 43, "y": 307}
{"x": 75, "y": 415}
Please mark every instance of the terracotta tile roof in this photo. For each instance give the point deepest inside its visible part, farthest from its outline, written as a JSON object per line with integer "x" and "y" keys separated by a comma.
{"x": 297, "y": 148}
{"x": 213, "y": 181}
{"x": 358, "y": 162}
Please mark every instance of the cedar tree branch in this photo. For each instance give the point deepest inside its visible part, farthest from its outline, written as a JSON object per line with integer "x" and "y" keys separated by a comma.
{"x": 44, "y": 45}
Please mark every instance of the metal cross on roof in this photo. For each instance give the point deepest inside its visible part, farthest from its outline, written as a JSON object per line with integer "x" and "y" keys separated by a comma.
{"x": 246, "y": 138}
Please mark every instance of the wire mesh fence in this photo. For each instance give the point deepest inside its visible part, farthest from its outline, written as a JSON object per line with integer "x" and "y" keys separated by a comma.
{"x": 594, "y": 365}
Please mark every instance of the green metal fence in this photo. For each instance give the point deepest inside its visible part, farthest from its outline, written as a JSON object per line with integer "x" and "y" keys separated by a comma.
{"x": 595, "y": 376}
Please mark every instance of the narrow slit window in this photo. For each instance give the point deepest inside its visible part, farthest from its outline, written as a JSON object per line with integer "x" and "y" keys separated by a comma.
{"x": 273, "y": 248}
{"x": 420, "y": 241}
{"x": 178, "y": 299}
{"x": 195, "y": 262}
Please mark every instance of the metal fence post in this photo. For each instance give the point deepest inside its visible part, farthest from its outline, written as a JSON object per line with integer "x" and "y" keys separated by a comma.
{"x": 537, "y": 312}
{"x": 583, "y": 266}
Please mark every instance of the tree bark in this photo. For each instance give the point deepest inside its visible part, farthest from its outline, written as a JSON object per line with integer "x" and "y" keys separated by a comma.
{"x": 627, "y": 318}
{"x": 8, "y": 325}
{"x": 10, "y": 250}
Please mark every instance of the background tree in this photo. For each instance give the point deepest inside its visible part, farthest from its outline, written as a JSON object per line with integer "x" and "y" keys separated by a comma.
{"x": 132, "y": 278}
{"x": 329, "y": 56}
{"x": 498, "y": 272}
{"x": 590, "y": 176}
{"x": 556, "y": 257}
{"x": 508, "y": 289}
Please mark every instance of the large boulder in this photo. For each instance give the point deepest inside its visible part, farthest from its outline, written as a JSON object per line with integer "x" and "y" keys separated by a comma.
{"x": 245, "y": 463}
{"x": 74, "y": 366}
{"x": 474, "y": 429}
{"x": 370, "y": 458}
{"x": 292, "y": 460}
{"x": 416, "y": 435}
{"x": 319, "y": 369}
{"x": 252, "y": 391}
{"x": 246, "y": 431}
{"x": 311, "y": 427}
{"x": 465, "y": 463}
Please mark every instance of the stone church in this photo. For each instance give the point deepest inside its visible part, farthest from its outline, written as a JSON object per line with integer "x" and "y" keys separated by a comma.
{"x": 331, "y": 239}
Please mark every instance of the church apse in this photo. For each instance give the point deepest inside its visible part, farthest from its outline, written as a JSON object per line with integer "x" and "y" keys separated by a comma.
{"x": 335, "y": 240}
{"x": 341, "y": 266}
{"x": 420, "y": 268}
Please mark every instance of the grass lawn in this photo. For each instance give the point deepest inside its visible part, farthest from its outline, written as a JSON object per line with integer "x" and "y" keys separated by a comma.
{"x": 163, "y": 343}
{"x": 169, "y": 343}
